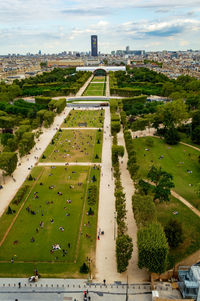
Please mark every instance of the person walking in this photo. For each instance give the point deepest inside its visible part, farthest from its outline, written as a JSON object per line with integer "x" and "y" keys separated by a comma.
{"x": 19, "y": 284}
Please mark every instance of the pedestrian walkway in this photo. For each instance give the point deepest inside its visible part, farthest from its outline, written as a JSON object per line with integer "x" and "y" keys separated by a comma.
{"x": 192, "y": 146}
{"x": 133, "y": 272}
{"x": 107, "y": 86}
{"x": 80, "y": 128}
{"x": 105, "y": 248}
{"x": 82, "y": 89}
{"x": 71, "y": 289}
{"x": 68, "y": 164}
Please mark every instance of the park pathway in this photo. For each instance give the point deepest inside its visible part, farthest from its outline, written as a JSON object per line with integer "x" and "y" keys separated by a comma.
{"x": 107, "y": 86}
{"x": 105, "y": 248}
{"x": 80, "y": 128}
{"x": 149, "y": 132}
{"x": 11, "y": 185}
{"x": 134, "y": 273}
{"x": 185, "y": 202}
{"x": 192, "y": 146}
{"x": 68, "y": 164}
{"x": 82, "y": 89}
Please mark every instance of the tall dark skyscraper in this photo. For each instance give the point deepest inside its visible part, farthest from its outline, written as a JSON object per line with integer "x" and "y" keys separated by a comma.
{"x": 94, "y": 46}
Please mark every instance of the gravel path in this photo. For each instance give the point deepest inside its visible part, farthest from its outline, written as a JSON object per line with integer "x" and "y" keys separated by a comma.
{"x": 68, "y": 164}
{"x": 82, "y": 89}
{"x": 105, "y": 248}
{"x": 134, "y": 273}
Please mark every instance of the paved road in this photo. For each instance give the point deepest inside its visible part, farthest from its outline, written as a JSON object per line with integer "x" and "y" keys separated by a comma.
{"x": 70, "y": 289}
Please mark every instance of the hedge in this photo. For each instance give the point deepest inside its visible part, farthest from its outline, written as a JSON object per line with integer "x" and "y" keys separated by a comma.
{"x": 42, "y": 100}
{"x": 152, "y": 248}
{"x": 20, "y": 194}
{"x": 92, "y": 195}
{"x": 144, "y": 209}
{"x": 125, "y": 92}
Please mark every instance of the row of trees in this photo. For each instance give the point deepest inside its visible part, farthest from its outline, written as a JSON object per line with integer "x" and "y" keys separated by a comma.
{"x": 148, "y": 82}
{"x": 124, "y": 245}
{"x": 153, "y": 240}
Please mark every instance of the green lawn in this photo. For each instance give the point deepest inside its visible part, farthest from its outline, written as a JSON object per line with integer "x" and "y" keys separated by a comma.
{"x": 49, "y": 206}
{"x": 74, "y": 145}
{"x": 95, "y": 89}
{"x": 176, "y": 160}
{"x": 99, "y": 79}
{"x": 190, "y": 224}
{"x": 90, "y": 118}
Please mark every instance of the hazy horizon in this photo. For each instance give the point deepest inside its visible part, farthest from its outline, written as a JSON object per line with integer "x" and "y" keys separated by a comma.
{"x": 54, "y": 26}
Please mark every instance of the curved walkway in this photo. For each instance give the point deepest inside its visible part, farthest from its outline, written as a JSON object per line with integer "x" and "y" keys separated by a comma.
{"x": 134, "y": 273}
{"x": 189, "y": 145}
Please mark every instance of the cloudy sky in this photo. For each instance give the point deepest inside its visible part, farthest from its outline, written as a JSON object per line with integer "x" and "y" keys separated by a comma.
{"x": 62, "y": 25}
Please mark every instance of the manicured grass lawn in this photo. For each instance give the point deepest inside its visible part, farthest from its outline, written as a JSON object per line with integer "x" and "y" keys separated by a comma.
{"x": 72, "y": 182}
{"x": 90, "y": 118}
{"x": 176, "y": 160}
{"x": 74, "y": 145}
{"x": 95, "y": 89}
{"x": 99, "y": 79}
{"x": 190, "y": 224}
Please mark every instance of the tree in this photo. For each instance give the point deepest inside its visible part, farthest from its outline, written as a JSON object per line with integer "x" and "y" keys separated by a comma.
{"x": 84, "y": 269}
{"x": 26, "y": 143}
{"x": 5, "y": 137}
{"x": 115, "y": 127}
{"x": 171, "y": 136}
{"x": 196, "y": 135}
{"x": 174, "y": 233}
{"x": 163, "y": 183}
{"x": 6, "y": 122}
{"x": 171, "y": 114}
{"x": 117, "y": 150}
{"x": 152, "y": 248}
{"x": 144, "y": 209}
{"x": 8, "y": 162}
{"x": 124, "y": 249}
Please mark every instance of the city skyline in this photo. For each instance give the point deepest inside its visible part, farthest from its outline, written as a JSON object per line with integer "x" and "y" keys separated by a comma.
{"x": 56, "y": 26}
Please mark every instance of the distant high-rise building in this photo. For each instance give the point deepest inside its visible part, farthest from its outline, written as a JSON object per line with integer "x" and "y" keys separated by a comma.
{"x": 39, "y": 52}
{"x": 127, "y": 49}
{"x": 94, "y": 46}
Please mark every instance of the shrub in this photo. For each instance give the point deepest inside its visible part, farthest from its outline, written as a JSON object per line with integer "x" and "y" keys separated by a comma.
{"x": 20, "y": 194}
{"x": 92, "y": 195}
{"x": 84, "y": 269}
{"x": 174, "y": 233}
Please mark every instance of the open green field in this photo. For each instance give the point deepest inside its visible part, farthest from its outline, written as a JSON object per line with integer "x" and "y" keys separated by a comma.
{"x": 84, "y": 118}
{"x": 95, "y": 89}
{"x": 74, "y": 145}
{"x": 177, "y": 160}
{"x": 99, "y": 79}
{"x": 54, "y": 212}
{"x": 190, "y": 224}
